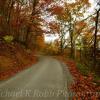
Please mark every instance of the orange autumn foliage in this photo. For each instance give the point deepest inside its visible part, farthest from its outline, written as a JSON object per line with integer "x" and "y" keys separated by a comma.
{"x": 54, "y": 27}
{"x": 56, "y": 10}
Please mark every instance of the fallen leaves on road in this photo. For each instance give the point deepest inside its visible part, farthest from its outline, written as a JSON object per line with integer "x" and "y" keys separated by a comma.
{"x": 84, "y": 87}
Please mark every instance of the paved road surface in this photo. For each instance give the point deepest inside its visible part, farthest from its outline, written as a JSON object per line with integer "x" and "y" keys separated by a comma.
{"x": 46, "y": 80}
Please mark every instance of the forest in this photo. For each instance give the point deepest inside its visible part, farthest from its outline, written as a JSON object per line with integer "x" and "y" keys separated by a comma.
{"x": 24, "y": 25}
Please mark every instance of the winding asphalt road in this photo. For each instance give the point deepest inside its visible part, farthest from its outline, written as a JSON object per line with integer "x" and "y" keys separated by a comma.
{"x": 46, "y": 80}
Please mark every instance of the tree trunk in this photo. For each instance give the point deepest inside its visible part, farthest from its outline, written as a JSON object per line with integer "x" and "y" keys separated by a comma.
{"x": 95, "y": 38}
{"x": 71, "y": 39}
{"x": 29, "y": 29}
{"x": 72, "y": 45}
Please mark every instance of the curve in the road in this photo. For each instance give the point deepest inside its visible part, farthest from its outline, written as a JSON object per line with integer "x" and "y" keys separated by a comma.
{"x": 46, "y": 80}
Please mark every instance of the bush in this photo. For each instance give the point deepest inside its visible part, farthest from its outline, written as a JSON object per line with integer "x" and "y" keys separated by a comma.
{"x": 83, "y": 69}
{"x": 8, "y": 38}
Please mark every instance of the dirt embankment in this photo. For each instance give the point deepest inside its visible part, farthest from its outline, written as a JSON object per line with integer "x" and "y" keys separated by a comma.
{"x": 14, "y": 58}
